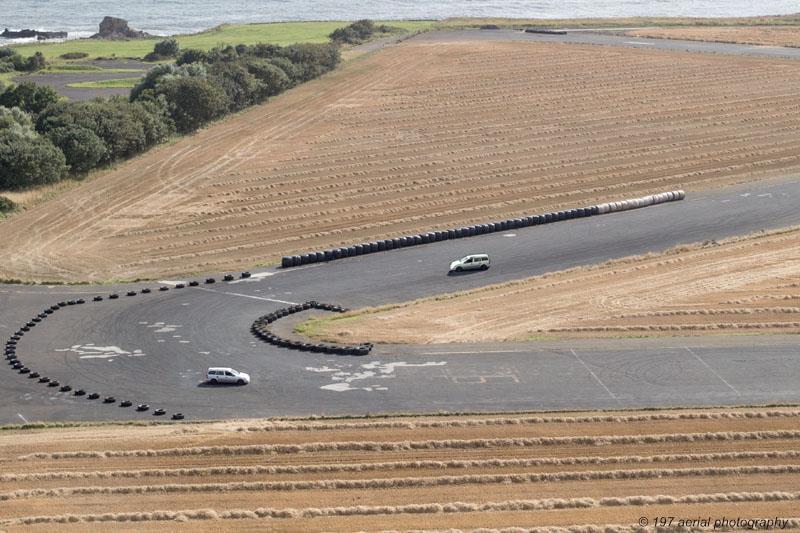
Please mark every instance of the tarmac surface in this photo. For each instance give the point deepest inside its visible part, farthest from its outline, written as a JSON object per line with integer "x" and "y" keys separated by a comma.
{"x": 154, "y": 348}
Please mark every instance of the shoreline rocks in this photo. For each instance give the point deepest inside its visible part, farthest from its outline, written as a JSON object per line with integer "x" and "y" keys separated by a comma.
{"x": 116, "y": 28}
{"x": 27, "y": 34}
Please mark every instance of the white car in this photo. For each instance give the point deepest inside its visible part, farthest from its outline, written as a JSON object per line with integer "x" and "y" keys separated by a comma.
{"x": 471, "y": 262}
{"x": 217, "y": 374}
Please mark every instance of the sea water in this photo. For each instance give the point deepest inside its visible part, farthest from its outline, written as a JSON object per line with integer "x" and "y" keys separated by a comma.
{"x": 81, "y": 18}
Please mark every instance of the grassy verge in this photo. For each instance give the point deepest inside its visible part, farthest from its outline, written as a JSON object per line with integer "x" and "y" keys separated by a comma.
{"x": 281, "y": 33}
{"x": 125, "y": 83}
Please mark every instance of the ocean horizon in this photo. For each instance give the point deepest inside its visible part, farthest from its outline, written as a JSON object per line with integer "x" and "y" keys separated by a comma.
{"x": 81, "y": 18}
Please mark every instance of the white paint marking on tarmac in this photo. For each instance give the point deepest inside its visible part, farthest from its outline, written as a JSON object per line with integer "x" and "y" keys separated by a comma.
{"x": 713, "y": 371}
{"x": 250, "y": 296}
{"x": 22, "y": 417}
{"x": 595, "y": 376}
{"x": 173, "y": 283}
{"x": 374, "y": 370}
{"x": 475, "y": 352}
{"x": 639, "y": 42}
{"x": 259, "y": 276}
{"x": 509, "y": 235}
{"x": 90, "y": 351}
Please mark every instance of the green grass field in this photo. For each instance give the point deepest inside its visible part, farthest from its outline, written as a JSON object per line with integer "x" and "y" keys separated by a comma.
{"x": 281, "y": 33}
{"x": 127, "y": 83}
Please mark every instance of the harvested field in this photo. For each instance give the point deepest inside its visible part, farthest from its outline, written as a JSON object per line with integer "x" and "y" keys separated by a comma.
{"x": 741, "y": 285}
{"x": 418, "y": 137}
{"x": 426, "y": 473}
{"x": 762, "y": 35}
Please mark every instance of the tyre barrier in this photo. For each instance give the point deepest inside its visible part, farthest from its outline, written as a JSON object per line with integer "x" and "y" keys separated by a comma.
{"x": 159, "y": 412}
{"x": 146, "y": 290}
{"x": 481, "y": 229}
{"x": 260, "y": 328}
{"x": 142, "y": 407}
{"x": 177, "y": 416}
{"x": 93, "y": 396}
{"x": 125, "y": 403}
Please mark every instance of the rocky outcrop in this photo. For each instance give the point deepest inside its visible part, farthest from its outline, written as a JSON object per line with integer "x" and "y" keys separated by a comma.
{"x": 27, "y": 34}
{"x": 114, "y": 28}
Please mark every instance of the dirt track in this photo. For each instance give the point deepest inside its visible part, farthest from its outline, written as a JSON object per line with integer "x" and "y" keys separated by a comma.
{"x": 418, "y": 137}
{"x": 403, "y": 473}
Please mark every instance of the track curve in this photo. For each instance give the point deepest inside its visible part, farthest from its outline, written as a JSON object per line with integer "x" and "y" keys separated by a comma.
{"x": 154, "y": 348}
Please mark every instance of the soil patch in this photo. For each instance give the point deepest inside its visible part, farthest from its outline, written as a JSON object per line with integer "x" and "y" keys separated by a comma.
{"x": 401, "y": 473}
{"x": 761, "y": 35}
{"x": 419, "y": 137}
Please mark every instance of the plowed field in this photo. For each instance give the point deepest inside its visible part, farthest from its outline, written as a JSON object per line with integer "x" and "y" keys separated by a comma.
{"x": 405, "y": 473}
{"x": 417, "y": 137}
{"x": 762, "y": 35}
{"x": 742, "y": 285}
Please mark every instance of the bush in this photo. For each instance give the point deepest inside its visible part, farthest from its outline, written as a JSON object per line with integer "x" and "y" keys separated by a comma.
{"x": 29, "y": 97}
{"x": 355, "y": 33}
{"x": 125, "y": 128}
{"x": 7, "y": 52}
{"x": 191, "y": 56}
{"x": 242, "y": 88}
{"x": 193, "y": 101}
{"x": 6, "y": 205}
{"x": 82, "y": 149}
{"x": 28, "y": 161}
{"x": 15, "y": 119}
{"x": 167, "y": 48}
{"x": 74, "y": 55}
{"x": 274, "y": 79}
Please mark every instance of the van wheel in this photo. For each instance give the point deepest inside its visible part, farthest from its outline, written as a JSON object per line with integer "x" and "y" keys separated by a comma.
{"x": 213, "y": 381}
{"x": 459, "y": 269}
{"x": 484, "y": 267}
{"x": 240, "y": 382}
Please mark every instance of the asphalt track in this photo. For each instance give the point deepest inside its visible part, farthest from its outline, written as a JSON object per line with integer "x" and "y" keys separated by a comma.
{"x": 154, "y": 348}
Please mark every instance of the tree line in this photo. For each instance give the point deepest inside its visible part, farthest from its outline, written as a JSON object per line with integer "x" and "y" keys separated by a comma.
{"x": 44, "y": 139}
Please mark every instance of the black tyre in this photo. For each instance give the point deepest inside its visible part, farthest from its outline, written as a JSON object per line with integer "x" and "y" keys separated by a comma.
{"x": 163, "y": 288}
{"x": 131, "y": 293}
{"x": 113, "y": 296}
{"x": 213, "y": 381}
{"x": 93, "y": 396}
{"x": 240, "y": 382}
{"x": 159, "y": 412}
{"x": 194, "y": 283}
{"x": 484, "y": 267}
{"x": 210, "y": 281}
{"x": 109, "y": 399}
{"x": 177, "y": 416}
{"x": 146, "y": 290}
{"x": 459, "y": 269}
{"x": 142, "y": 407}
{"x": 287, "y": 262}
{"x": 79, "y": 392}
{"x": 125, "y": 403}
{"x": 180, "y": 286}
{"x": 97, "y": 299}
{"x": 66, "y": 388}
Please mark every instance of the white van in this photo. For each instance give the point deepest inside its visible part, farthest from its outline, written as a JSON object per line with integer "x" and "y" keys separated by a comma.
{"x": 217, "y": 374}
